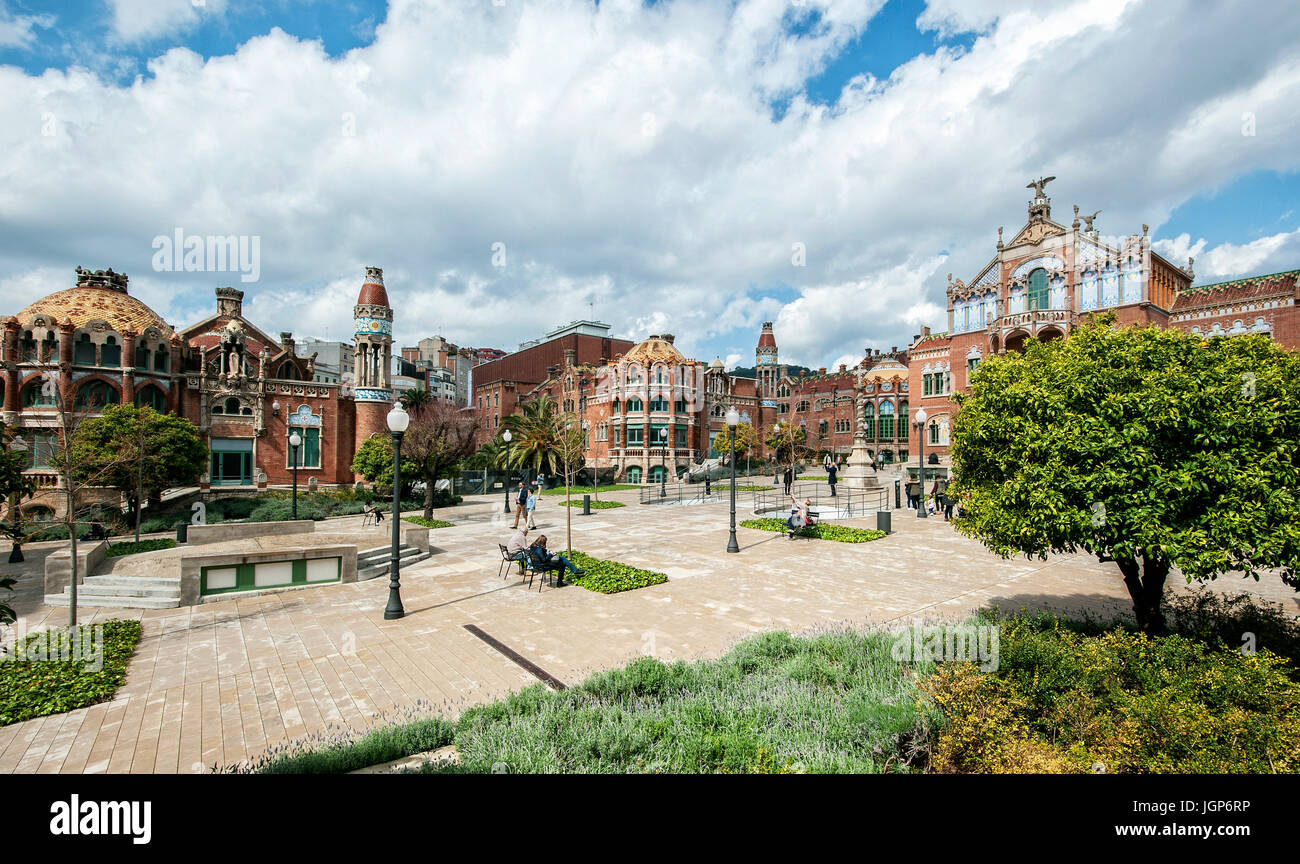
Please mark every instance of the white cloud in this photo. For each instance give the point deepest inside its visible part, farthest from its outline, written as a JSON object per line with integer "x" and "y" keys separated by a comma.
{"x": 18, "y": 31}
{"x": 141, "y": 20}
{"x": 1263, "y": 255}
{"x": 628, "y": 157}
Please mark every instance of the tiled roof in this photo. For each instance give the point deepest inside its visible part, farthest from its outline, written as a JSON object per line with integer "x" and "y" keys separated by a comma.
{"x": 654, "y": 350}
{"x": 87, "y": 303}
{"x": 1237, "y": 290}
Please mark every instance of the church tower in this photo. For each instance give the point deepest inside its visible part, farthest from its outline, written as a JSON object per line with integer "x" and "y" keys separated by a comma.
{"x": 372, "y": 356}
{"x": 765, "y": 362}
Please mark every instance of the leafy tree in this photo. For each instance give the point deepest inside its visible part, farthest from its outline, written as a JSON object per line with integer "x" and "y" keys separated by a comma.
{"x": 126, "y": 447}
{"x": 1151, "y": 448}
{"x": 491, "y": 455}
{"x": 440, "y": 435}
{"x": 571, "y": 448}
{"x": 374, "y": 461}
{"x": 785, "y": 441}
{"x": 744, "y": 440}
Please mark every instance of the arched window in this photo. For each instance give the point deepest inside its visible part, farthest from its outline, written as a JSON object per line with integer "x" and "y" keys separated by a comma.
{"x": 84, "y": 352}
{"x": 633, "y": 405}
{"x": 614, "y": 408}
{"x": 35, "y": 395}
{"x": 28, "y": 354}
{"x": 801, "y": 406}
{"x": 95, "y": 395}
{"x": 902, "y": 418}
{"x": 634, "y": 474}
{"x": 869, "y": 420}
{"x": 151, "y": 397}
{"x": 1088, "y": 290}
{"x": 161, "y": 357}
{"x": 288, "y": 371}
{"x": 142, "y": 356}
{"x": 659, "y": 403}
{"x": 111, "y": 353}
{"x": 886, "y": 420}
{"x": 1038, "y": 289}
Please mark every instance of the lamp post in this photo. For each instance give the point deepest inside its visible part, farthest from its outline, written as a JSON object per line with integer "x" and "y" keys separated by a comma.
{"x": 505, "y": 436}
{"x": 733, "y": 418}
{"x": 295, "y": 441}
{"x": 398, "y": 420}
{"x": 663, "y": 461}
{"x": 920, "y": 471}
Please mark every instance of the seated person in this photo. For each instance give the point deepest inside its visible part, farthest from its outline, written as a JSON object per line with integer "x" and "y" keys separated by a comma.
{"x": 543, "y": 559}
{"x": 517, "y": 548}
{"x": 800, "y": 516}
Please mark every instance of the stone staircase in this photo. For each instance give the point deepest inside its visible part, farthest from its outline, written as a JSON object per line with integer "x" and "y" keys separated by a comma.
{"x": 118, "y": 591}
{"x": 373, "y": 563}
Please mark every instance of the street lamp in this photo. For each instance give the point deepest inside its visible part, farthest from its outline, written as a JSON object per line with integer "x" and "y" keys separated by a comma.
{"x": 295, "y": 441}
{"x": 663, "y": 461}
{"x": 733, "y": 419}
{"x": 920, "y": 471}
{"x": 398, "y": 420}
{"x": 505, "y": 436}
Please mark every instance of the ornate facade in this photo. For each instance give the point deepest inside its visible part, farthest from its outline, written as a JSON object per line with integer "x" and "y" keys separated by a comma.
{"x": 245, "y": 391}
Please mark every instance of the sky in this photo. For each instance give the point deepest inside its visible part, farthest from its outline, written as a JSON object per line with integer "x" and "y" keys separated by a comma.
{"x": 678, "y": 166}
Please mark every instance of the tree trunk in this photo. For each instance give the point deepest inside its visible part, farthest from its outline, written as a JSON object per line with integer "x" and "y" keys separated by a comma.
{"x": 568, "y": 514}
{"x": 1146, "y": 588}
{"x": 428, "y": 498}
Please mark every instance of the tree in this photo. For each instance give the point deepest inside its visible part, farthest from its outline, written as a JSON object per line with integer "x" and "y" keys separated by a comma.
{"x": 744, "y": 440}
{"x": 535, "y": 434}
{"x": 1154, "y": 449}
{"x": 374, "y": 461}
{"x": 439, "y": 436}
{"x": 571, "y": 448}
{"x": 415, "y": 398}
{"x": 139, "y": 452}
{"x": 786, "y": 441}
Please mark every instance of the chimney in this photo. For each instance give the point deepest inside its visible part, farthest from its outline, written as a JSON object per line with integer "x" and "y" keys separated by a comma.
{"x": 230, "y": 302}
{"x": 925, "y": 331}
{"x": 286, "y": 341}
{"x": 844, "y": 368}
{"x": 668, "y": 337}
{"x": 822, "y": 371}
{"x": 570, "y": 357}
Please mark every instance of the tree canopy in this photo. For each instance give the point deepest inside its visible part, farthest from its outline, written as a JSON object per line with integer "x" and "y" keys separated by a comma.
{"x": 744, "y": 440}
{"x": 126, "y": 441}
{"x": 535, "y": 435}
{"x": 1151, "y": 448}
{"x": 786, "y": 440}
{"x": 440, "y": 435}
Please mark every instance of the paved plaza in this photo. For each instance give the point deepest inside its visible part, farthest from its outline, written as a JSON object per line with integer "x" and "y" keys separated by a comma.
{"x": 220, "y": 682}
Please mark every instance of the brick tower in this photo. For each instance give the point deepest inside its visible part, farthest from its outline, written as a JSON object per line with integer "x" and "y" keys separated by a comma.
{"x": 373, "y": 356}
{"x": 765, "y": 362}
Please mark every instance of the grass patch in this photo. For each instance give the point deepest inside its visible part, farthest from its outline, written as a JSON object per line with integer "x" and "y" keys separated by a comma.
{"x": 33, "y": 683}
{"x": 595, "y": 505}
{"x": 118, "y": 549}
{"x": 610, "y": 577}
{"x": 339, "y": 753}
{"x": 428, "y": 523}
{"x": 587, "y": 490}
{"x": 819, "y": 531}
{"x": 1064, "y": 701}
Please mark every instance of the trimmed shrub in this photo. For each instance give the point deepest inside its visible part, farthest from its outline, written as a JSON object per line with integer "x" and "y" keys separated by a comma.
{"x": 428, "y": 523}
{"x": 595, "y": 505}
{"x": 819, "y": 531}
{"x": 119, "y": 549}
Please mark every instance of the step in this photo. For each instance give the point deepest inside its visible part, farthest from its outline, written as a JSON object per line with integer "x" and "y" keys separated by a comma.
{"x": 130, "y": 590}
{"x": 375, "y": 556}
{"x": 381, "y": 569}
{"x": 88, "y": 600}
{"x": 116, "y": 581}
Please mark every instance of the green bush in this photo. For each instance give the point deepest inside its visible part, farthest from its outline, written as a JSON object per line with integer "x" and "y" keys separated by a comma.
{"x": 343, "y": 753}
{"x": 428, "y": 523}
{"x": 595, "y": 505}
{"x": 118, "y": 549}
{"x": 611, "y": 577}
{"x": 1061, "y": 701}
{"x": 34, "y": 687}
{"x": 818, "y": 531}
{"x": 153, "y": 526}
{"x": 1214, "y": 618}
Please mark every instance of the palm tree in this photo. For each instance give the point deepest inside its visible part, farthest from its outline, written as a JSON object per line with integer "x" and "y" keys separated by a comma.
{"x": 415, "y": 398}
{"x": 535, "y": 435}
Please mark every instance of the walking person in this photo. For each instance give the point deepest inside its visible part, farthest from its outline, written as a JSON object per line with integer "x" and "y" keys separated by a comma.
{"x": 831, "y": 472}
{"x": 521, "y": 501}
{"x": 531, "y": 507}
{"x": 789, "y": 479}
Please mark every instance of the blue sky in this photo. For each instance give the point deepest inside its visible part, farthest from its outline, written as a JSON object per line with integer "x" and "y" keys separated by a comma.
{"x": 660, "y": 162}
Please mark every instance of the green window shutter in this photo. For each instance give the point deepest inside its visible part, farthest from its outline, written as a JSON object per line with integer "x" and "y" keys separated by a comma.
{"x": 311, "y": 448}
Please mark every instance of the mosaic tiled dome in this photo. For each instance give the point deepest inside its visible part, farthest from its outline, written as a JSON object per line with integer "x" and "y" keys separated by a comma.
{"x": 373, "y": 292}
{"x": 99, "y": 296}
{"x": 656, "y": 349}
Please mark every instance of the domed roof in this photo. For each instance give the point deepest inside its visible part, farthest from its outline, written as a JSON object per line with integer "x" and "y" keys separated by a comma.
{"x": 656, "y": 349}
{"x": 98, "y": 296}
{"x": 373, "y": 292}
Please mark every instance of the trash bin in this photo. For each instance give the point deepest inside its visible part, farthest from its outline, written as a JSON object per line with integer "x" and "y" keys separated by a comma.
{"x": 182, "y": 532}
{"x": 885, "y": 521}
{"x": 586, "y": 505}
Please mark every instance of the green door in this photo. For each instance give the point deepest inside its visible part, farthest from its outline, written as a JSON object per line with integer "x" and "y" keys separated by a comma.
{"x": 232, "y": 461}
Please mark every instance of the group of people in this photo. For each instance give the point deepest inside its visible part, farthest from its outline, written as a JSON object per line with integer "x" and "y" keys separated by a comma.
{"x": 535, "y": 553}
{"x": 526, "y": 503}
{"x": 938, "y": 501}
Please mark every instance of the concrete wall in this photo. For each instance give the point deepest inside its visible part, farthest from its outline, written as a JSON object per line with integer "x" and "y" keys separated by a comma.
{"x": 192, "y": 568}
{"x": 58, "y": 565}
{"x": 416, "y": 536}
{"x": 223, "y": 531}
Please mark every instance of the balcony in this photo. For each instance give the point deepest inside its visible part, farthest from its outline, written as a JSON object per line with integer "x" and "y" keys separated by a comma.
{"x": 1035, "y": 318}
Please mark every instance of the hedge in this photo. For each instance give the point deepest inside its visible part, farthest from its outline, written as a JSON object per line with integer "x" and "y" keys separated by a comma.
{"x": 428, "y": 523}
{"x": 818, "y": 531}
{"x": 595, "y": 505}
{"x": 117, "y": 549}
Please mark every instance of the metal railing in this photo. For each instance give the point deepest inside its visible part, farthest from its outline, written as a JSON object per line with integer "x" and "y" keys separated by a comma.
{"x": 847, "y": 503}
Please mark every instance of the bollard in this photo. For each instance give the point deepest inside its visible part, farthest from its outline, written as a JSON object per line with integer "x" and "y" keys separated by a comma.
{"x": 182, "y": 532}
{"x": 898, "y": 500}
{"x": 884, "y": 521}
{"x": 586, "y": 505}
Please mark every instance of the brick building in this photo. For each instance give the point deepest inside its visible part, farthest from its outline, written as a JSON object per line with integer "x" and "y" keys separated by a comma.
{"x": 245, "y": 390}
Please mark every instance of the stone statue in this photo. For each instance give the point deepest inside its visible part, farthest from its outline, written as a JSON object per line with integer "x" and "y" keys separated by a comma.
{"x": 1037, "y": 185}
{"x": 1087, "y": 221}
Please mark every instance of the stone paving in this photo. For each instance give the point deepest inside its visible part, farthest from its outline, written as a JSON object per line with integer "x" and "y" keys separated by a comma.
{"x": 220, "y": 682}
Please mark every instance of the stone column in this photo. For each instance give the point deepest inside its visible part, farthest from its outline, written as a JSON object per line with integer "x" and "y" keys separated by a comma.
{"x": 177, "y": 379}
{"x": 128, "y": 368}
{"x": 65, "y": 361}
{"x": 11, "y": 358}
